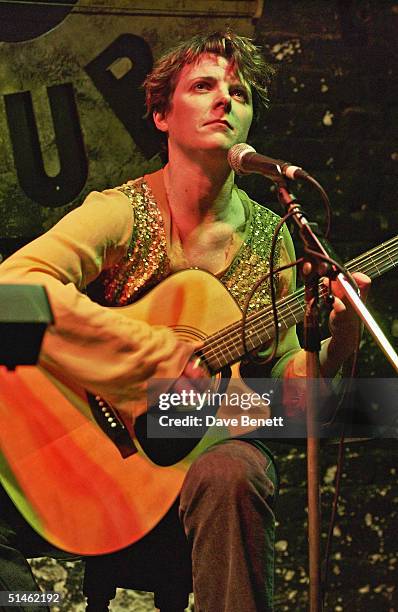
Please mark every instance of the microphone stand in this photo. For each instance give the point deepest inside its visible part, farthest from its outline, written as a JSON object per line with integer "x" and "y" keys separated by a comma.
{"x": 312, "y": 345}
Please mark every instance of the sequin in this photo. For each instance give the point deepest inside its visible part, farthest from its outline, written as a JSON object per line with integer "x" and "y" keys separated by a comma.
{"x": 252, "y": 262}
{"x": 146, "y": 262}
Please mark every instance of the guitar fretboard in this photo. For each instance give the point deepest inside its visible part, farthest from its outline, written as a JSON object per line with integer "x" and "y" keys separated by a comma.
{"x": 226, "y": 346}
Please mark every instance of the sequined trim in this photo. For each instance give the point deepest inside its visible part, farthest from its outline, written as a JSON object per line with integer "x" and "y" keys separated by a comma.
{"x": 146, "y": 262}
{"x": 252, "y": 262}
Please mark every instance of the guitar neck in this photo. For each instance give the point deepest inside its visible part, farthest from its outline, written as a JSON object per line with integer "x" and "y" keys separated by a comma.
{"x": 226, "y": 346}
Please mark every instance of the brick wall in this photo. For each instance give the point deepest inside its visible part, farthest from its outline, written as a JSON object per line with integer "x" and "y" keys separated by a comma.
{"x": 334, "y": 111}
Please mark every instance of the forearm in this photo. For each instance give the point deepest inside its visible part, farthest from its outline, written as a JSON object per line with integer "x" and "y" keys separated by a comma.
{"x": 106, "y": 351}
{"x": 332, "y": 355}
{"x": 96, "y": 347}
{"x": 346, "y": 330}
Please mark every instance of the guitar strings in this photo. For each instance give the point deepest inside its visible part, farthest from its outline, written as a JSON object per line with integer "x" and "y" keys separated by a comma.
{"x": 257, "y": 318}
{"x": 288, "y": 308}
{"x": 300, "y": 292}
{"x": 295, "y": 298}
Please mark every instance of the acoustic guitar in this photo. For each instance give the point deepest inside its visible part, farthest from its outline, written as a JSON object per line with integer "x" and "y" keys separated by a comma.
{"x": 67, "y": 460}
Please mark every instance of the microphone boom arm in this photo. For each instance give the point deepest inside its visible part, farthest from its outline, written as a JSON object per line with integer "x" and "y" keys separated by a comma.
{"x": 352, "y": 296}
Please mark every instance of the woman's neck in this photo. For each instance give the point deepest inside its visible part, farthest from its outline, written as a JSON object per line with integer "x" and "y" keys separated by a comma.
{"x": 198, "y": 192}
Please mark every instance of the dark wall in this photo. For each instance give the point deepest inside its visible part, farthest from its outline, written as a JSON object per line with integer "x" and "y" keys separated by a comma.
{"x": 334, "y": 111}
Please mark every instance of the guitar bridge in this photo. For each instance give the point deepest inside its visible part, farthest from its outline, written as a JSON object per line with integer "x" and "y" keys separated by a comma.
{"x": 111, "y": 424}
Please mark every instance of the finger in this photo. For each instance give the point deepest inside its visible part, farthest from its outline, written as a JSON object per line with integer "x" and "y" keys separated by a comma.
{"x": 194, "y": 369}
{"x": 188, "y": 385}
{"x": 362, "y": 281}
{"x": 338, "y": 305}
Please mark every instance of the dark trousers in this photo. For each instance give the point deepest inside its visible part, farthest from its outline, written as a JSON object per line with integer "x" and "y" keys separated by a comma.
{"x": 227, "y": 512}
{"x": 223, "y": 526}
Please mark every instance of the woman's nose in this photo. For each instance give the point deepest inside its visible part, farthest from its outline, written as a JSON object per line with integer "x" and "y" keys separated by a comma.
{"x": 224, "y": 100}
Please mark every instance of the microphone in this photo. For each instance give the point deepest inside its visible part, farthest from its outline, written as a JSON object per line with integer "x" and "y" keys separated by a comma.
{"x": 243, "y": 159}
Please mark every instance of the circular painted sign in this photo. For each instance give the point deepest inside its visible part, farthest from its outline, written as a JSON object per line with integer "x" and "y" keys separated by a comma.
{"x": 22, "y": 20}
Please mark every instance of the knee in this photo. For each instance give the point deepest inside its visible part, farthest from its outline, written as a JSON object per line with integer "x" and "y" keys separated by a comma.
{"x": 231, "y": 470}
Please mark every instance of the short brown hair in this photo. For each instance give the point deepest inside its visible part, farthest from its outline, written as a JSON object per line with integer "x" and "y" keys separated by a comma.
{"x": 161, "y": 82}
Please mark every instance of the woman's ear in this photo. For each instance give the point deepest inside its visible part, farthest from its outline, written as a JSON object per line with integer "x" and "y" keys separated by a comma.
{"x": 160, "y": 121}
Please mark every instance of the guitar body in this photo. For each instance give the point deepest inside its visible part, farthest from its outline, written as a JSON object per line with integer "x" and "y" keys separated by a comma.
{"x": 64, "y": 474}
{"x": 60, "y": 465}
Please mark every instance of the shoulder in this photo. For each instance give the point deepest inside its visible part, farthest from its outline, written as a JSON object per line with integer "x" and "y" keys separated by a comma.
{"x": 131, "y": 188}
{"x": 265, "y": 221}
{"x": 258, "y": 210}
{"x": 103, "y": 217}
{"x": 114, "y": 206}
{"x": 110, "y": 204}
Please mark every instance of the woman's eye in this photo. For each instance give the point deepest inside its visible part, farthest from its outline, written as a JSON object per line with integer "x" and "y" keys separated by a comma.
{"x": 202, "y": 85}
{"x": 239, "y": 93}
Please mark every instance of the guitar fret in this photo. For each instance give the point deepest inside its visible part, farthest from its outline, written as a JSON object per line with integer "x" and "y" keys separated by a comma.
{"x": 292, "y": 313}
{"x": 259, "y": 340}
{"x": 261, "y": 334}
{"x": 376, "y": 266}
{"x": 226, "y": 352}
{"x": 226, "y": 346}
{"x": 394, "y": 263}
{"x": 236, "y": 347}
{"x": 390, "y": 247}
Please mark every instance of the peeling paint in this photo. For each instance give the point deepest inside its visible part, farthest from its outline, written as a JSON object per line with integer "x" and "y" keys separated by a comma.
{"x": 286, "y": 49}
{"x": 328, "y": 118}
{"x": 324, "y": 86}
{"x": 281, "y": 546}
{"x": 330, "y": 474}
